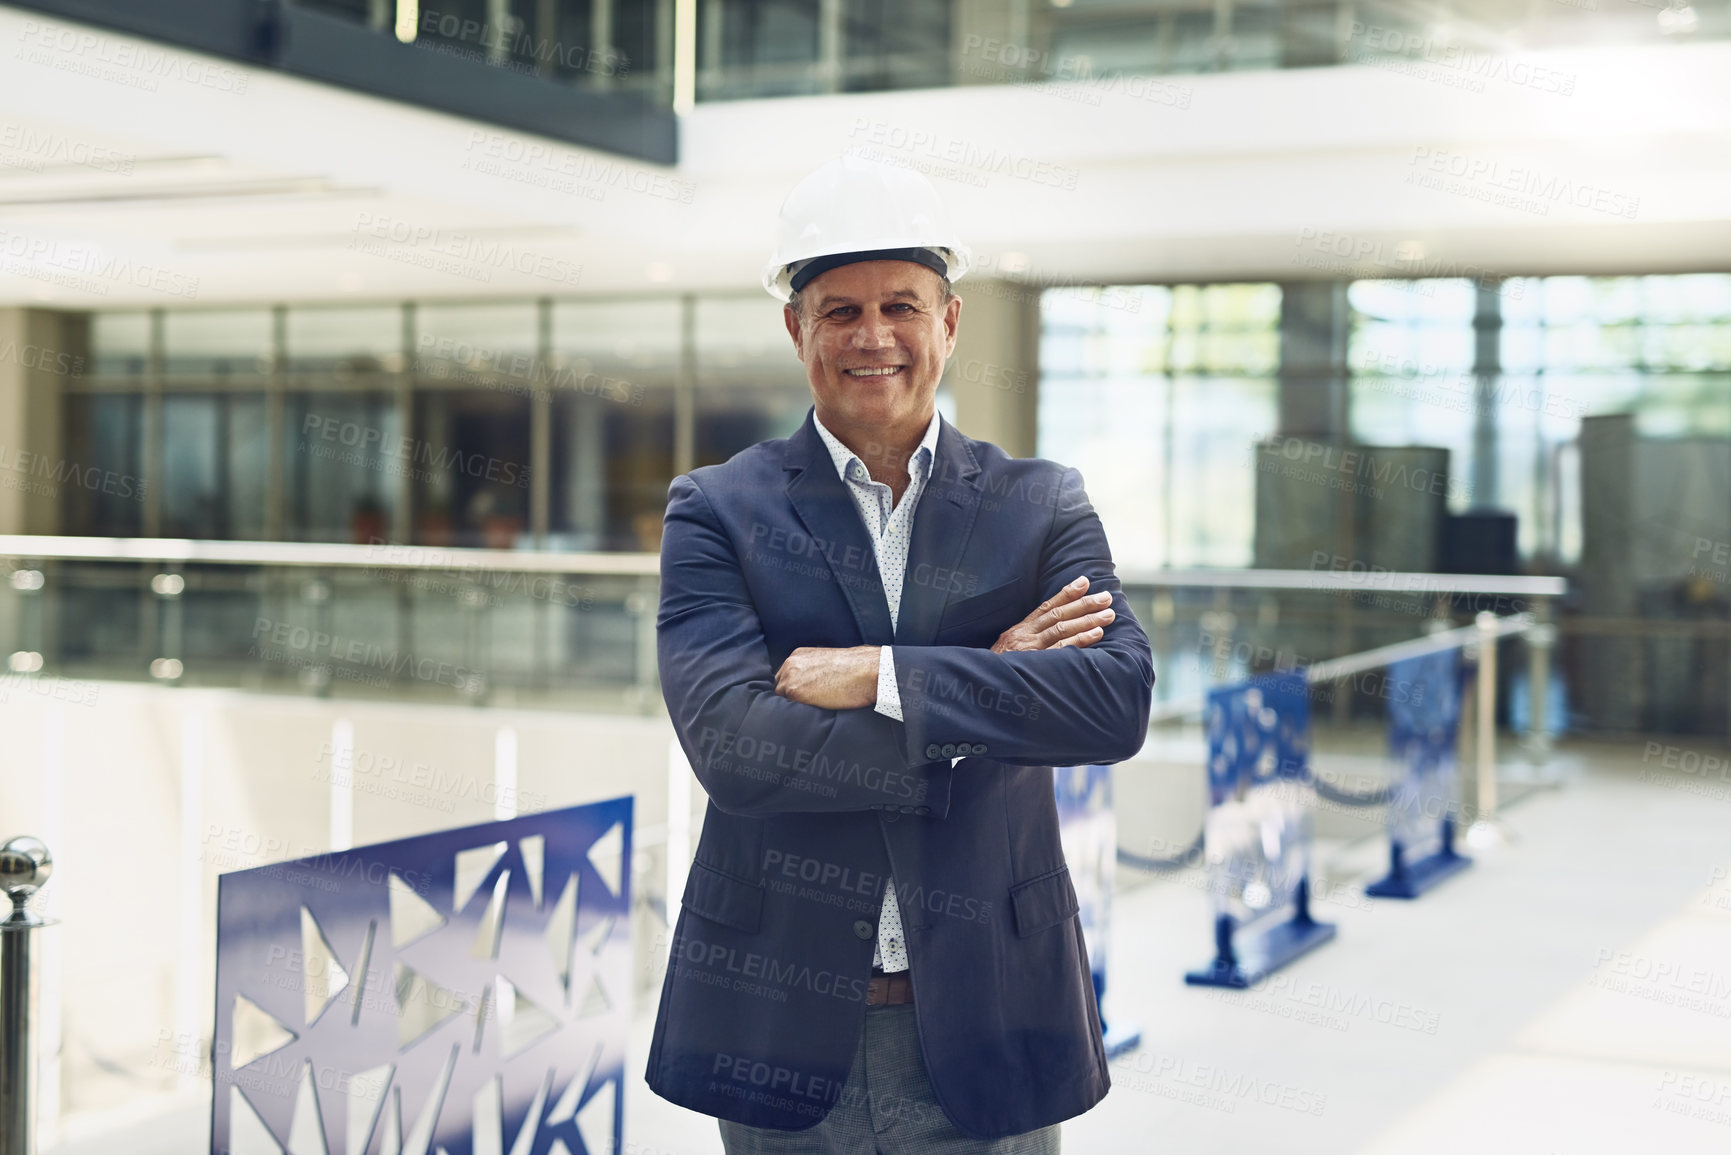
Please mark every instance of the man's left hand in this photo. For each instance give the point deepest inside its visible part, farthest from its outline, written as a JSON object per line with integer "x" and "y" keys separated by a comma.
{"x": 831, "y": 679}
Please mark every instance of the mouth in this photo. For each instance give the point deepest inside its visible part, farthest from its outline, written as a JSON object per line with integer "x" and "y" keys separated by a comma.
{"x": 876, "y": 371}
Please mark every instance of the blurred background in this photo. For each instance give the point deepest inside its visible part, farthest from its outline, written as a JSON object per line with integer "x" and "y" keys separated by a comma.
{"x": 348, "y": 347}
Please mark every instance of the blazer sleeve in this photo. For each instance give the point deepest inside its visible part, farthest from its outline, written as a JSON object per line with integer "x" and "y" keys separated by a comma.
{"x": 1063, "y": 707}
{"x": 755, "y": 752}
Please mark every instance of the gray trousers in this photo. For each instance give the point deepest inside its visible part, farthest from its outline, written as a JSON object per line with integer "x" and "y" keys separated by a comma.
{"x": 885, "y": 1108}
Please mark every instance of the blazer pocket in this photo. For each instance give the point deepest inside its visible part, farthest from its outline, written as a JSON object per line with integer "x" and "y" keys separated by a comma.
{"x": 994, "y": 601}
{"x": 1043, "y": 902}
{"x": 723, "y": 898}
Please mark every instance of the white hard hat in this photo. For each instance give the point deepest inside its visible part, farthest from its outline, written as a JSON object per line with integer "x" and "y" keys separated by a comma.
{"x": 861, "y": 210}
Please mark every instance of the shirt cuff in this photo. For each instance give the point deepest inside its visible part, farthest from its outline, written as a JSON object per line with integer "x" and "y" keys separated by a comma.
{"x": 889, "y": 694}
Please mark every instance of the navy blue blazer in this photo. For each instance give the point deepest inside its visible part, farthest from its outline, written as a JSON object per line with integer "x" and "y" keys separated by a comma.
{"x": 811, "y": 811}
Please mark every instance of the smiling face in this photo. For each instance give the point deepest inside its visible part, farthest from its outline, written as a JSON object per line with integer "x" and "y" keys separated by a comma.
{"x": 874, "y": 337}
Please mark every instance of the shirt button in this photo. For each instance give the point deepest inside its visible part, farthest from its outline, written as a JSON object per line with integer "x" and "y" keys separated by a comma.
{"x": 863, "y": 930}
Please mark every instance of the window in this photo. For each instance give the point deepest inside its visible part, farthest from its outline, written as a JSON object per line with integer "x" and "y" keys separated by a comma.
{"x": 1158, "y": 394}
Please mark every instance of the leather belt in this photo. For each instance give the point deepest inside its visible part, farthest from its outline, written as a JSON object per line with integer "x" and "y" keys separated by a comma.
{"x": 891, "y": 990}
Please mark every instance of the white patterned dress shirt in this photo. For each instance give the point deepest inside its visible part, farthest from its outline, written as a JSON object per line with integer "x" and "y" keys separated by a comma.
{"x": 890, "y": 525}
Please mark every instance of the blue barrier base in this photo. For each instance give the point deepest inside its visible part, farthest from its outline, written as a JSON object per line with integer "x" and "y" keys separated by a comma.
{"x": 1120, "y": 1038}
{"x": 1245, "y": 963}
{"x": 1410, "y": 881}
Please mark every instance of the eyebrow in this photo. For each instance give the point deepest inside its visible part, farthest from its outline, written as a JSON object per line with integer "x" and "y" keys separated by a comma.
{"x": 896, "y": 295}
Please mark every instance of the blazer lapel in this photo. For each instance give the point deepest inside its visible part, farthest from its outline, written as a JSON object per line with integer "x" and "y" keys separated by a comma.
{"x": 821, "y": 501}
{"x": 942, "y": 523}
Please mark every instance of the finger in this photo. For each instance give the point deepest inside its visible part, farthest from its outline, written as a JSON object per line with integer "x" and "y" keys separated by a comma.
{"x": 1085, "y": 638}
{"x": 1063, "y": 597}
{"x": 1072, "y": 627}
{"x": 1075, "y": 609}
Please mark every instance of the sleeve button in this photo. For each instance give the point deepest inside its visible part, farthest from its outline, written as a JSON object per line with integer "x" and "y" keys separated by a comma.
{"x": 933, "y": 752}
{"x": 922, "y": 810}
{"x": 948, "y": 750}
{"x": 979, "y": 748}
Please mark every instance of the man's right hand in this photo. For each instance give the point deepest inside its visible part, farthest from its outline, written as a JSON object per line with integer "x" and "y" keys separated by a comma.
{"x": 1072, "y": 617}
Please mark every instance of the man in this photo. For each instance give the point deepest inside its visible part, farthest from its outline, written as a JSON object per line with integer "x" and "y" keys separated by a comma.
{"x": 876, "y": 638}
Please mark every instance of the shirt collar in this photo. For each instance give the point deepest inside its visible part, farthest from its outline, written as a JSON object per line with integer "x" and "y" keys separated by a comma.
{"x": 845, "y": 459}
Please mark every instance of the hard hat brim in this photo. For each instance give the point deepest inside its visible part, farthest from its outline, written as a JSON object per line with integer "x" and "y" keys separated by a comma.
{"x": 948, "y": 261}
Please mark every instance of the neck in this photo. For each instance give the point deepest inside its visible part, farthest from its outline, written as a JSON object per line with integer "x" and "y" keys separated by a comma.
{"x": 885, "y": 450}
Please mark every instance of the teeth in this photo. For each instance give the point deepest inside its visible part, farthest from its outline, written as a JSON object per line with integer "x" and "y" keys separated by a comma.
{"x": 885, "y": 372}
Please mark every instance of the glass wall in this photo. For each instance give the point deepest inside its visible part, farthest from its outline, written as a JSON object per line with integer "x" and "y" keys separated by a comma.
{"x": 1152, "y": 389}
{"x": 502, "y": 424}
{"x": 1592, "y": 413}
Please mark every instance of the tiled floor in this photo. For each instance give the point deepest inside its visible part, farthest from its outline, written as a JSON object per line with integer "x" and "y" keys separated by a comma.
{"x": 1570, "y": 994}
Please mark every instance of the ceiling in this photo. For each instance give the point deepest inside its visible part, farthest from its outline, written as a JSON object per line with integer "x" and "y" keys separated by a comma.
{"x": 125, "y": 182}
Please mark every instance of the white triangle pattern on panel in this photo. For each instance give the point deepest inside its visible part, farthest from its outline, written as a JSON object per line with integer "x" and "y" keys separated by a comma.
{"x": 391, "y": 1143}
{"x": 307, "y": 1131}
{"x": 558, "y": 1148}
{"x": 488, "y": 1121}
{"x": 420, "y": 1137}
{"x": 525, "y": 1143}
{"x": 255, "y": 1033}
{"x": 411, "y": 915}
{"x": 422, "y": 1005}
{"x": 473, "y": 866}
{"x": 595, "y": 938}
{"x": 560, "y": 927}
{"x": 522, "y": 1023}
{"x": 534, "y": 852}
{"x": 486, "y": 944}
{"x": 247, "y": 1134}
{"x": 595, "y": 1119}
{"x": 595, "y": 1000}
{"x": 321, "y": 970}
{"x": 566, "y": 1108}
{"x": 607, "y": 856}
{"x": 365, "y": 1093}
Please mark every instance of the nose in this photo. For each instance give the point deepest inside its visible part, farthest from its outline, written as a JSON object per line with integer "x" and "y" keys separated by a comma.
{"x": 874, "y": 332}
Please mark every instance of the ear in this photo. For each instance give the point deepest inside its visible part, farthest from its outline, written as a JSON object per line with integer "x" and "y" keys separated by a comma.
{"x": 791, "y": 320}
{"x": 952, "y": 318}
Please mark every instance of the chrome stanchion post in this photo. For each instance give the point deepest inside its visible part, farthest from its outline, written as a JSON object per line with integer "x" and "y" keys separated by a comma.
{"x": 1540, "y": 638}
{"x": 25, "y": 865}
{"x": 1486, "y": 830}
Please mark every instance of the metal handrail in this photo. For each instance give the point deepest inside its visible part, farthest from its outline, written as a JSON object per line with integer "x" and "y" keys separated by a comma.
{"x": 380, "y": 555}
{"x": 1485, "y": 631}
{"x": 1334, "y": 669}
{"x": 398, "y": 556}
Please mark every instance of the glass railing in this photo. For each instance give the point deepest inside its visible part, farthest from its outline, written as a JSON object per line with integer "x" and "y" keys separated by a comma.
{"x": 577, "y": 630}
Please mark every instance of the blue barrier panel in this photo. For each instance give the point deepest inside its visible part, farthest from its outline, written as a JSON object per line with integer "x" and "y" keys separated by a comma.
{"x": 461, "y": 992}
{"x": 1424, "y": 717}
{"x": 1258, "y": 833}
{"x": 1088, "y": 829}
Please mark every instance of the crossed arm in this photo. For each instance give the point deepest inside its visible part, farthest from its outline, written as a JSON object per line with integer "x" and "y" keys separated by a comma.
{"x": 1070, "y": 683}
{"x": 847, "y": 678}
